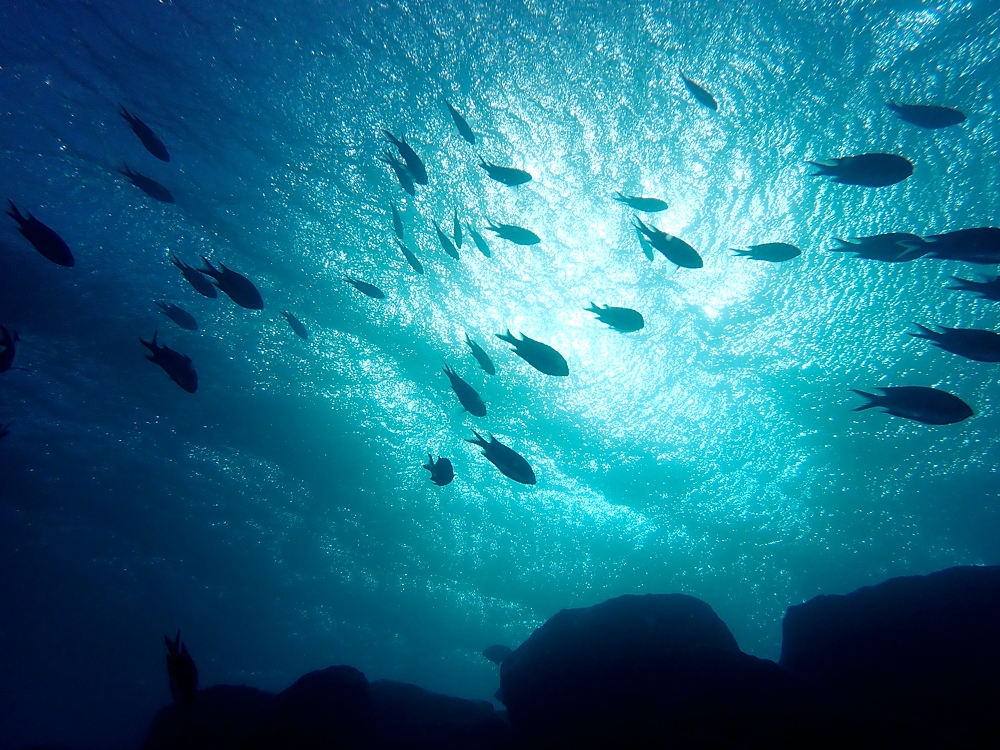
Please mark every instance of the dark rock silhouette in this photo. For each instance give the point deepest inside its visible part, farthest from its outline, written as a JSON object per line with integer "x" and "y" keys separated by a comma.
{"x": 224, "y": 717}
{"x": 497, "y": 653}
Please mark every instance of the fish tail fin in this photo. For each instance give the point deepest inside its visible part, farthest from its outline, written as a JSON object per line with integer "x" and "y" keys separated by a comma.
{"x": 593, "y": 308}
{"x": 125, "y": 114}
{"x": 507, "y": 337}
{"x": 478, "y": 440}
{"x": 740, "y": 253}
{"x": 873, "y": 400}
{"x": 208, "y": 266}
{"x": 14, "y": 213}
{"x": 964, "y": 285}
{"x": 892, "y": 105}
{"x": 925, "y": 333}
{"x": 913, "y": 249}
{"x": 823, "y": 170}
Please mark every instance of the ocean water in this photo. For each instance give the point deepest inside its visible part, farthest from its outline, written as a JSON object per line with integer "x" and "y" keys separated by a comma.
{"x": 280, "y": 516}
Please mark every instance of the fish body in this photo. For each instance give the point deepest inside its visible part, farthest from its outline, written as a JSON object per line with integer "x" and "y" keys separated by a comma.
{"x": 647, "y": 249}
{"x": 4, "y": 430}
{"x": 8, "y": 348}
{"x": 497, "y": 653}
{"x": 772, "y": 252}
{"x": 446, "y": 243}
{"x": 621, "y": 319}
{"x": 369, "y": 290}
{"x": 639, "y": 203}
{"x": 865, "y": 170}
{"x": 700, "y": 94}
{"x": 541, "y": 356}
{"x": 403, "y": 176}
{"x": 457, "y": 230}
{"x": 181, "y": 671}
{"x": 179, "y": 315}
{"x": 463, "y": 127}
{"x": 481, "y": 356}
{"x": 927, "y": 116}
{"x": 894, "y": 247}
{"x": 148, "y": 185}
{"x": 196, "y": 278}
{"x": 296, "y": 324}
{"x": 479, "y": 241}
{"x": 919, "y": 403}
{"x": 413, "y": 163}
{"x": 397, "y": 222}
{"x": 674, "y": 249}
{"x": 236, "y": 286}
{"x": 513, "y": 233}
{"x": 985, "y": 289}
{"x": 43, "y": 238}
{"x": 507, "y": 175}
{"x": 976, "y": 245}
{"x": 467, "y": 395}
{"x": 145, "y": 134}
{"x": 510, "y": 463}
{"x": 971, "y": 343}
{"x": 442, "y": 472}
{"x": 410, "y": 257}
{"x": 175, "y": 364}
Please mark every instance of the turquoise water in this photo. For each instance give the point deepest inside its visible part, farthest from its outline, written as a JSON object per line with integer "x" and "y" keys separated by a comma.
{"x": 280, "y": 516}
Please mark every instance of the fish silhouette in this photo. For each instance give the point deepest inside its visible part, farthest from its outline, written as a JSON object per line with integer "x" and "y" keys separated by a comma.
{"x": 175, "y": 364}
{"x": 463, "y": 127}
{"x": 985, "y": 289}
{"x": 369, "y": 290}
{"x": 296, "y": 324}
{"x": 397, "y": 222}
{"x": 236, "y": 286}
{"x": 865, "y": 170}
{"x": 410, "y": 257}
{"x": 976, "y": 245}
{"x": 894, "y": 247}
{"x": 639, "y": 203}
{"x": 413, "y": 163}
{"x": 145, "y": 134}
{"x": 513, "y": 233}
{"x": 196, "y": 278}
{"x": 674, "y": 249}
{"x": 702, "y": 96}
{"x": 44, "y": 239}
{"x": 971, "y": 343}
{"x": 510, "y": 463}
{"x": 442, "y": 472}
{"x": 181, "y": 671}
{"x": 148, "y": 185}
{"x": 621, "y": 319}
{"x": 479, "y": 241}
{"x": 507, "y": 175}
{"x": 772, "y": 252}
{"x": 179, "y": 315}
{"x": 481, "y": 356}
{"x": 402, "y": 175}
{"x": 8, "y": 348}
{"x": 919, "y": 403}
{"x": 927, "y": 115}
{"x": 541, "y": 356}
{"x": 467, "y": 395}
{"x": 446, "y": 243}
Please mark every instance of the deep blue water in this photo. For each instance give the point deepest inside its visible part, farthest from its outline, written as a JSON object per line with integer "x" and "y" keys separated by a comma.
{"x": 280, "y": 516}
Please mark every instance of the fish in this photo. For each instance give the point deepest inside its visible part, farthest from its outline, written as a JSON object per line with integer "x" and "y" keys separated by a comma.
{"x": 43, "y": 238}
{"x": 457, "y": 230}
{"x": 413, "y": 164}
{"x": 463, "y": 127}
{"x": 674, "y": 249}
{"x": 985, "y": 289}
{"x": 702, "y": 96}
{"x": 481, "y": 356}
{"x": 865, "y": 170}
{"x": 510, "y": 463}
{"x": 541, "y": 356}
{"x": 919, "y": 403}
{"x": 513, "y": 233}
{"x": 638, "y": 203}
{"x": 296, "y": 324}
{"x": 647, "y": 249}
{"x": 405, "y": 181}
{"x": 479, "y": 241}
{"x": 397, "y": 222}
{"x": 8, "y": 348}
{"x": 175, "y": 364}
{"x": 894, "y": 247}
{"x": 181, "y": 671}
{"x": 369, "y": 290}
{"x": 467, "y": 395}
{"x": 179, "y": 315}
{"x": 772, "y": 252}
{"x": 148, "y": 185}
{"x": 442, "y": 472}
{"x": 145, "y": 134}
{"x": 196, "y": 278}
{"x": 971, "y": 343}
{"x": 976, "y": 245}
{"x": 507, "y": 175}
{"x": 446, "y": 243}
{"x": 497, "y": 653}
{"x": 236, "y": 286}
{"x": 410, "y": 257}
{"x": 927, "y": 115}
{"x": 621, "y": 319}
{"x": 4, "y": 430}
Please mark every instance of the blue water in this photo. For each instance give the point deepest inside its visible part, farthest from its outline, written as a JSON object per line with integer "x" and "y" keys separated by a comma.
{"x": 280, "y": 516}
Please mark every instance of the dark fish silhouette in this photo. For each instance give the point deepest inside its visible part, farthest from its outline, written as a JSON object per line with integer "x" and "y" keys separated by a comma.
{"x": 196, "y": 278}
{"x": 887, "y": 248}
{"x": 413, "y": 164}
{"x": 480, "y": 241}
{"x": 985, "y": 289}
{"x": 442, "y": 472}
{"x": 971, "y": 343}
{"x": 506, "y": 175}
{"x": 497, "y": 654}
{"x": 637, "y": 202}
{"x": 369, "y": 290}
{"x": 175, "y": 364}
{"x": 236, "y": 286}
{"x": 179, "y": 315}
{"x": 153, "y": 144}
{"x": 513, "y": 233}
{"x": 397, "y": 222}
{"x": 182, "y": 672}
{"x": 42, "y": 238}
{"x": 647, "y": 249}
{"x": 927, "y": 115}
{"x": 620, "y": 318}
{"x": 467, "y": 395}
{"x": 510, "y": 463}
{"x": 446, "y": 243}
{"x": 481, "y": 356}
{"x": 541, "y": 356}
{"x": 977, "y": 245}
{"x": 405, "y": 181}
{"x": 296, "y": 324}
{"x": 8, "y": 348}
{"x": 772, "y": 252}
{"x": 457, "y": 230}
{"x": 463, "y": 127}
{"x": 4, "y": 430}
{"x": 410, "y": 257}
{"x": 147, "y": 185}
{"x": 674, "y": 249}
{"x": 866, "y": 170}
{"x": 704, "y": 98}
{"x": 921, "y": 404}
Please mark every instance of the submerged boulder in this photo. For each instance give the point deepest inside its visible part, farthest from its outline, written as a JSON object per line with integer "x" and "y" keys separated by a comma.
{"x": 222, "y": 717}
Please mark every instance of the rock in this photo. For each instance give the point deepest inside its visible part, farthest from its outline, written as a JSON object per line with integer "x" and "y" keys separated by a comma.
{"x": 222, "y": 717}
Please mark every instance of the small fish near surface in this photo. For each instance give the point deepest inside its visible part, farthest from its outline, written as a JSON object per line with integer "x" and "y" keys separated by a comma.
{"x": 976, "y": 245}
{"x": 700, "y": 94}
{"x": 44, "y": 239}
{"x": 971, "y": 343}
{"x": 479, "y": 241}
{"x": 621, "y": 319}
{"x": 175, "y": 364}
{"x": 513, "y": 233}
{"x": 397, "y": 222}
{"x": 442, "y": 472}
{"x": 369, "y": 290}
{"x": 456, "y": 226}
{"x": 927, "y": 116}
{"x": 985, "y": 289}
{"x": 145, "y": 134}
{"x": 410, "y": 257}
{"x": 446, "y": 243}
{"x": 8, "y": 348}
{"x": 296, "y": 324}
{"x": 919, "y": 403}
{"x": 181, "y": 671}
{"x": 674, "y": 249}
{"x": 467, "y": 395}
{"x": 541, "y": 356}
{"x": 865, "y": 170}
{"x": 481, "y": 356}
{"x": 236, "y": 286}
{"x": 772, "y": 252}
{"x": 508, "y": 176}
{"x": 460, "y": 123}
{"x": 497, "y": 653}
{"x": 413, "y": 163}
{"x": 196, "y": 278}
{"x": 179, "y": 315}
{"x": 402, "y": 175}
{"x": 148, "y": 185}
{"x": 894, "y": 247}
{"x": 510, "y": 463}
{"x": 639, "y": 203}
